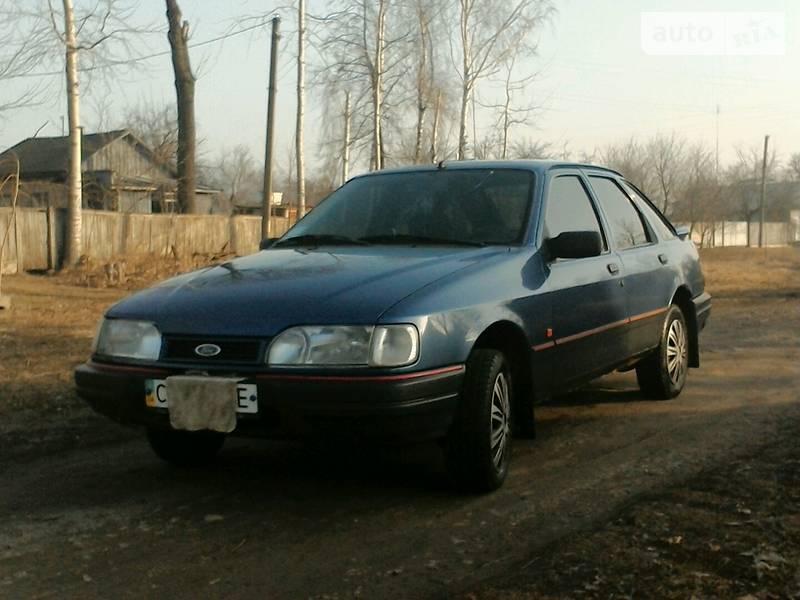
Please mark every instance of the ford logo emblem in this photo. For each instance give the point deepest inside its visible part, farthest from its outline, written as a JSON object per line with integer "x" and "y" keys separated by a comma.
{"x": 207, "y": 350}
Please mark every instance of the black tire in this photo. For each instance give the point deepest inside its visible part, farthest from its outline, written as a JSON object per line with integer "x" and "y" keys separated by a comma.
{"x": 469, "y": 453}
{"x": 658, "y": 375}
{"x": 185, "y": 448}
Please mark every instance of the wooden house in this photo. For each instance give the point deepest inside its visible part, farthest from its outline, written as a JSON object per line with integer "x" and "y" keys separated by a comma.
{"x": 120, "y": 173}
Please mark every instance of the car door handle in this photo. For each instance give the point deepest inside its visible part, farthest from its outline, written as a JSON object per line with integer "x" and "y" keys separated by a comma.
{"x": 613, "y": 268}
{"x": 663, "y": 259}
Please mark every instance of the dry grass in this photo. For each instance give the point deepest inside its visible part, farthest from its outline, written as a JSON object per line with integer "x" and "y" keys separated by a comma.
{"x": 751, "y": 271}
{"x": 135, "y": 272}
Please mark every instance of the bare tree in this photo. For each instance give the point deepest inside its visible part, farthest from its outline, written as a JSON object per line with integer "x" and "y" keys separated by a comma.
{"x": 178, "y": 36}
{"x": 630, "y": 159}
{"x": 12, "y": 219}
{"x": 157, "y": 126}
{"x": 487, "y": 31}
{"x": 360, "y": 45}
{"x": 793, "y": 166}
{"x": 377, "y": 74}
{"x": 700, "y": 192}
{"x": 74, "y": 247}
{"x": 533, "y": 149}
{"x": 346, "y": 140}
{"x": 238, "y": 175}
{"x": 437, "y": 115}
{"x": 301, "y": 103}
{"x": 95, "y": 40}
{"x": 424, "y": 71}
{"x": 742, "y": 178}
{"x": 510, "y": 111}
{"x": 666, "y": 155}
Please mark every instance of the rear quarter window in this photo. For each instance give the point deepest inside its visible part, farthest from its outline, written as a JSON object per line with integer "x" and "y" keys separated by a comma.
{"x": 625, "y": 222}
{"x": 658, "y": 222}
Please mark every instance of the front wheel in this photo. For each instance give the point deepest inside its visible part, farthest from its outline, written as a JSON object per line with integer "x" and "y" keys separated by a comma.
{"x": 663, "y": 374}
{"x": 185, "y": 448}
{"x": 478, "y": 446}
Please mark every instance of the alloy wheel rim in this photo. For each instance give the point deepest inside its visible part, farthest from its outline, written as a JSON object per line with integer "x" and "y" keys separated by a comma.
{"x": 677, "y": 351}
{"x": 500, "y": 420}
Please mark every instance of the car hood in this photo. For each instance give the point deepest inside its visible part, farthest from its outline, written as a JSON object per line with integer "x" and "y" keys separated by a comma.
{"x": 264, "y": 293}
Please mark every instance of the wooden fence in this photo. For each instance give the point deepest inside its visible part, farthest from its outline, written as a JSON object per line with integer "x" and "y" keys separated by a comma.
{"x": 36, "y": 240}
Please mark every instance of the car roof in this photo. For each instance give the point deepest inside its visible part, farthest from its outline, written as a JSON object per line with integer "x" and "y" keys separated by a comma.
{"x": 537, "y": 166}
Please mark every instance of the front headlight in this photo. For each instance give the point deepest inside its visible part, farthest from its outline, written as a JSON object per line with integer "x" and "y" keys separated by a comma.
{"x": 128, "y": 339}
{"x": 394, "y": 346}
{"x": 335, "y": 345}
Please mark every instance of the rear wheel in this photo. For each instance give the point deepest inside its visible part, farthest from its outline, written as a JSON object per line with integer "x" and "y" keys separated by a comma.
{"x": 478, "y": 447}
{"x": 663, "y": 374}
{"x": 185, "y": 448}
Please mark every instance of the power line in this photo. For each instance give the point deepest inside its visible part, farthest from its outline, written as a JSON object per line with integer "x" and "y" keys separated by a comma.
{"x": 138, "y": 58}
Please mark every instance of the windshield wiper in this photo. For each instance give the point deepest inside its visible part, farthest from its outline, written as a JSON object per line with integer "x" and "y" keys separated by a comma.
{"x": 320, "y": 239}
{"x": 417, "y": 239}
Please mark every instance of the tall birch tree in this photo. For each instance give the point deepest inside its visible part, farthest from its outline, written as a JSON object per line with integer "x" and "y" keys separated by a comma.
{"x": 301, "y": 106}
{"x": 487, "y": 31}
{"x": 74, "y": 245}
{"x": 38, "y": 36}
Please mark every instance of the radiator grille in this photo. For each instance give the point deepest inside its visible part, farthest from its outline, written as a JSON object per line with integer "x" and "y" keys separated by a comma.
{"x": 231, "y": 351}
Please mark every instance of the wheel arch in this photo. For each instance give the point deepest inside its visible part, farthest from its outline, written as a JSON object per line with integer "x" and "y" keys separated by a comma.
{"x": 509, "y": 338}
{"x": 683, "y": 299}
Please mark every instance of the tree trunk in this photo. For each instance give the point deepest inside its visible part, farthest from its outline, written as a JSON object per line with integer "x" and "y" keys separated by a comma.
{"x": 462, "y": 126}
{"x": 435, "y": 126}
{"x": 422, "y": 79}
{"x": 507, "y": 112}
{"x": 346, "y": 148}
{"x": 178, "y": 36}
{"x": 466, "y": 76}
{"x": 301, "y": 105}
{"x": 377, "y": 87}
{"x": 74, "y": 245}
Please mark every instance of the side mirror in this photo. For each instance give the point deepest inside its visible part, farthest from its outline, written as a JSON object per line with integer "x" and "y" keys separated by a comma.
{"x": 575, "y": 244}
{"x": 682, "y": 232}
{"x": 266, "y": 243}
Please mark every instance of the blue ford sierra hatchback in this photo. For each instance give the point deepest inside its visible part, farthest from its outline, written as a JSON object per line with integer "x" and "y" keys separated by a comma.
{"x": 432, "y": 302}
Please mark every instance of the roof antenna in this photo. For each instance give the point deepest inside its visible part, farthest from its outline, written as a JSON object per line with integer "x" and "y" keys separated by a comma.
{"x": 440, "y": 166}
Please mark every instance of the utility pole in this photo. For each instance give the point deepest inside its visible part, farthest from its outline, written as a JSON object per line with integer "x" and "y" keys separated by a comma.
{"x": 266, "y": 219}
{"x": 346, "y": 148}
{"x": 761, "y": 237}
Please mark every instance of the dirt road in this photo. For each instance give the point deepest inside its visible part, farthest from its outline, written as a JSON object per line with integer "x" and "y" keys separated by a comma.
{"x": 100, "y": 517}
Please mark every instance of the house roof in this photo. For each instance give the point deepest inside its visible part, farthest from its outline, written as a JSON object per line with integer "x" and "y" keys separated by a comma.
{"x": 50, "y": 155}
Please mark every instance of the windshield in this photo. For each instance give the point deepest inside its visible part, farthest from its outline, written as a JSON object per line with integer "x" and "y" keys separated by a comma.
{"x": 475, "y": 206}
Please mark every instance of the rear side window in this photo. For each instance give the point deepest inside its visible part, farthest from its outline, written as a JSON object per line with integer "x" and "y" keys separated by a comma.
{"x": 657, "y": 221}
{"x": 569, "y": 208}
{"x": 627, "y": 228}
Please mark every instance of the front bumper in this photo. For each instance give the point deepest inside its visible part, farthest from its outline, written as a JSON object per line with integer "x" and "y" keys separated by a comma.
{"x": 393, "y": 408}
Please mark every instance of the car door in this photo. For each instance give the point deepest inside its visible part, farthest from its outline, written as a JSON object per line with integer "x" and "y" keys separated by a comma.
{"x": 648, "y": 281}
{"x": 586, "y": 295}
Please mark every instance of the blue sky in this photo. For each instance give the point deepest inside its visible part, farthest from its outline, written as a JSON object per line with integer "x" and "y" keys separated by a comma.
{"x": 597, "y": 85}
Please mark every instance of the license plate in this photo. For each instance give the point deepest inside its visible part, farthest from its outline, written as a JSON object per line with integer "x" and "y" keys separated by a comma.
{"x": 246, "y": 395}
